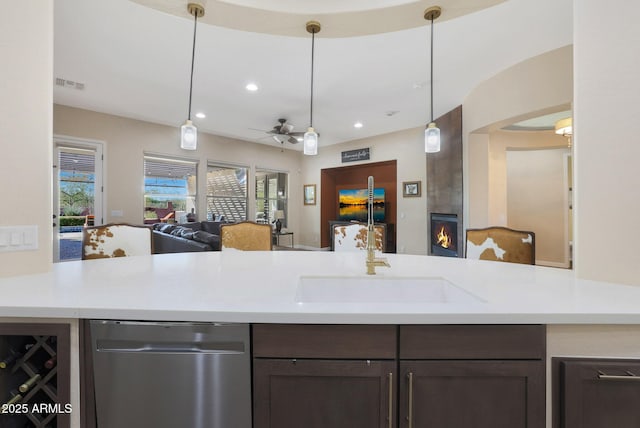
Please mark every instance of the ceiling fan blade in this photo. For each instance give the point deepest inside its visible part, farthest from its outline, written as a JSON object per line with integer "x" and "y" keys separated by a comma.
{"x": 293, "y": 140}
{"x": 256, "y": 129}
{"x": 296, "y": 134}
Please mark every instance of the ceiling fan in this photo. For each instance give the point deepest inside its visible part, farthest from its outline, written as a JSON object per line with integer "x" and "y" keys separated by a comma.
{"x": 284, "y": 132}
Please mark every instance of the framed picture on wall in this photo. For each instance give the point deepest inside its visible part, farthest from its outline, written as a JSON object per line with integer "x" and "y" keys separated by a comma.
{"x": 411, "y": 189}
{"x": 309, "y": 194}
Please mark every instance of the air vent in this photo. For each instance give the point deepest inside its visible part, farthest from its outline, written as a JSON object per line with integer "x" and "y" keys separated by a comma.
{"x": 69, "y": 84}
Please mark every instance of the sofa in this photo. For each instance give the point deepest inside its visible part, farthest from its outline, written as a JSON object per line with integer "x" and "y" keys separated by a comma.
{"x": 186, "y": 237}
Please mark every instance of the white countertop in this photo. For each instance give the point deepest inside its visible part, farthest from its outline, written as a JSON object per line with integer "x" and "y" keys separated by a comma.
{"x": 238, "y": 286}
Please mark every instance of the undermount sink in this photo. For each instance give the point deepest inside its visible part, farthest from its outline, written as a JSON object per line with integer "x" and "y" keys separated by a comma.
{"x": 380, "y": 289}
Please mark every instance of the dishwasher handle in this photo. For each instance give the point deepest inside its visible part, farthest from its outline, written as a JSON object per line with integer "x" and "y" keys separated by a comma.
{"x": 187, "y": 347}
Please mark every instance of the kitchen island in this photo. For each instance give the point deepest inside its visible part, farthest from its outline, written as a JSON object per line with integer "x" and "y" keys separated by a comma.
{"x": 261, "y": 287}
{"x": 580, "y": 318}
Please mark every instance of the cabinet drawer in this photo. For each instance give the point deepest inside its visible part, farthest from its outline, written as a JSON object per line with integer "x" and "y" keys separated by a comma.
{"x": 509, "y": 342}
{"x": 324, "y": 341}
{"x": 596, "y": 393}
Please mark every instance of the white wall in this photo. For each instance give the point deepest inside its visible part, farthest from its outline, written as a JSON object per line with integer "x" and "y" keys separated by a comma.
{"x": 126, "y": 141}
{"x": 606, "y": 129}
{"x": 539, "y": 85}
{"x": 500, "y": 142}
{"x": 407, "y": 147}
{"x": 26, "y": 49}
{"x": 537, "y": 200}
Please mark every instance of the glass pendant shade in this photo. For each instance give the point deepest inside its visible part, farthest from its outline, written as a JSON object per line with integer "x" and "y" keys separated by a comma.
{"x": 310, "y": 142}
{"x": 188, "y": 136}
{"x": 431, "y": 138}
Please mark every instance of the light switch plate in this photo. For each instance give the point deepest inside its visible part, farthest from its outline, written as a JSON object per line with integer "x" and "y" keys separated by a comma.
{"x": 18, "y": 238}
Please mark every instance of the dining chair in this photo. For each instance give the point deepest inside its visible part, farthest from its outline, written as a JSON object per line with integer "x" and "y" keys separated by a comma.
{"x": 353, "y": 237}
{"x": 501, "y": 244}
{"x": 246, "y": 236}
{"x": 116, "y": 240}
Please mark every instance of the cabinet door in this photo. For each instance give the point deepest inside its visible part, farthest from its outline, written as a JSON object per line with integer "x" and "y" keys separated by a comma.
{"x": 472, "y": 394}
{"x": 324, "y": 393}
{"x": 600, "y": 394}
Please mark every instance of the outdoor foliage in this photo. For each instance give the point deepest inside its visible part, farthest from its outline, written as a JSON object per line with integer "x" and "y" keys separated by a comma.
{"x": 72, "y": 220}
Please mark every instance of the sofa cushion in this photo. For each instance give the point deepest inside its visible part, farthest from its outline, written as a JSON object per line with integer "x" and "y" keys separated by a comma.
{"x": 212, "y": 226}
{"x": 167, "y": 243}
{"x": 193, "y": 226}
{"x": 207, "y": 238}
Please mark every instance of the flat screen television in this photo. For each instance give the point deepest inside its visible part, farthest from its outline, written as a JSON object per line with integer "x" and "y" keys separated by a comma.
{"x": 352, "y": 205}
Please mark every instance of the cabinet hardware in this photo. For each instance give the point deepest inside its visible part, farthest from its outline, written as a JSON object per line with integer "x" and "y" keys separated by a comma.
{"x": 410, "y": 404}
{"x": 629, "y": 376}
{"x": 390, "y": 400}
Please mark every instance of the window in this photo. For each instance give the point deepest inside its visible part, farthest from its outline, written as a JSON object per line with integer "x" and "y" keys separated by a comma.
{"x": 169, "y": 184}
{"x": 271, "y": 196}
{"x": 76, "y": 181}
{"x": 226, "y": 192}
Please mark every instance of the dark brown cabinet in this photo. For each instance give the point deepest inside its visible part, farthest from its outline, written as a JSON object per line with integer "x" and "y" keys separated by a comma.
{"x": 472, "y": 376}
{"x": 596, "y": 393}
{"x": 423, "y": 376}
{"x": 324, "y": 393}
{"x": 466, "y": 394}
{"x": 318, "y": 376}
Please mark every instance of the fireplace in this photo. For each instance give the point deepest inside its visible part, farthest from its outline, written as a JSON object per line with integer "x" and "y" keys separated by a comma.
{"x": 444, "y": 235}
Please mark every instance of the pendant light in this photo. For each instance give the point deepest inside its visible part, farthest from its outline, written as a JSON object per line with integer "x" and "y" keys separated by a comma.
{"x": 188, "y": 132}
{"x": 310, "y": 141}
{"x": 432, "y": 133}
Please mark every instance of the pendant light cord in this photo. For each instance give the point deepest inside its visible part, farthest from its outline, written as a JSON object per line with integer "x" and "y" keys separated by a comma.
{"x": 313, "y": 39}
{"x": 193, "y": 56}
{"x": 431, "y": 85}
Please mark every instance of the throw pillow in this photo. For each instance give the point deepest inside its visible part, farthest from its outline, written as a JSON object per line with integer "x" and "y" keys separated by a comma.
{"x": 167, "y": 228}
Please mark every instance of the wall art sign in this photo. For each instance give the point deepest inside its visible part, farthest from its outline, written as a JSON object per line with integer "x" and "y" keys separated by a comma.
{"x": 355, "y": 155}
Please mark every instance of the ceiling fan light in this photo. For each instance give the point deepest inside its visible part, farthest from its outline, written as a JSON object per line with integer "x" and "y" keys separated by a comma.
{"x": 310, "y": 142}
{"x": 432, "y": 138}
{"x": 188, "y": 136}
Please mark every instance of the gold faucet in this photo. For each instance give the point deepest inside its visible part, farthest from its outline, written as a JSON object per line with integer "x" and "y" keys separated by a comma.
{"x": 372, "y": 261}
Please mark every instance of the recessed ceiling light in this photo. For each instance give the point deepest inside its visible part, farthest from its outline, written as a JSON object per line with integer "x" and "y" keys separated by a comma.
{"x": 251, "y": 87}
{"x": 200, "y": 115}
{"x": 357, "y": 125}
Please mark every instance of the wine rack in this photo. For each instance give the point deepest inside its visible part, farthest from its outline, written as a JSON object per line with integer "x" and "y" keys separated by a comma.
{"x": 34, "y": 376}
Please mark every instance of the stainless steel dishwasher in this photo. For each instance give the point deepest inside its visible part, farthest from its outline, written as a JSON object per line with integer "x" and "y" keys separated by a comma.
{"x": 171, "y": 374}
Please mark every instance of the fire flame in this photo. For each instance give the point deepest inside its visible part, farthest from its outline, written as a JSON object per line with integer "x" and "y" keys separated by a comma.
{"x": 444, "y": 239}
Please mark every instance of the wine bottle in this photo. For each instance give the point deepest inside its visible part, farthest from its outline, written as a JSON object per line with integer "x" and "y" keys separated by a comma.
{"x": 29, "y": 383}
{"x": 16, "y": 397}
{"x": 11, "y": 358}
{"x": 51, "y": 362}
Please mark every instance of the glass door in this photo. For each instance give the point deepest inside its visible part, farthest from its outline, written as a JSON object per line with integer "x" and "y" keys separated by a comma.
{"x": 77, "y": 195}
